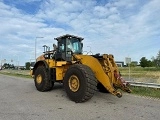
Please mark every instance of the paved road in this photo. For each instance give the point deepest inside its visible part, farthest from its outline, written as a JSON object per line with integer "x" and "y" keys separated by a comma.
{"x": 19, "y": 100}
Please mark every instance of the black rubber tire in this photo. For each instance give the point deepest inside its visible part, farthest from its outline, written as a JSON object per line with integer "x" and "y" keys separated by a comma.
{"x": 87, "y": 83}
{"x": 46, "y": 84}
{"x": 101, "y": 88}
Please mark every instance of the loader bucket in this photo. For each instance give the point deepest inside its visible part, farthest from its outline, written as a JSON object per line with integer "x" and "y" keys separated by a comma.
{"x": 106, "y": 72}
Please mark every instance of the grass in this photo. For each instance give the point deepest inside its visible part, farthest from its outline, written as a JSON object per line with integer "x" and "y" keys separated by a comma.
{"x": 140, "y": 74}
{"x": 144, "y": 91}
{"x": 139, "y": 69}
{"x": 148, "y": 75}
{"x": 16, "y": 73}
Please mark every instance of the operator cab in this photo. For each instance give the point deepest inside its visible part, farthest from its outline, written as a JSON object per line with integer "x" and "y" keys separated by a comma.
{"x": 68, "y": 45}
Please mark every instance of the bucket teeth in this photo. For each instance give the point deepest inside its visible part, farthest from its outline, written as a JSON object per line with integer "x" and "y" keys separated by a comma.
{"x": 118, "y": 94}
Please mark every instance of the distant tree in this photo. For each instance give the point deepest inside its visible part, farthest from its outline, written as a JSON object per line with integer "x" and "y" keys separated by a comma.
{"x": 11, "y": 66}
{"x": 154, "y": 61}
{"x": 27, "y": 65}
{"x": 143, "y": 62}
{"x": 6, "y": 66}
{"x": 158, "y": 55}
{"x": 149, "y": 63}
{"x": 158, "y": 59}
{"x": 134, "y": 64}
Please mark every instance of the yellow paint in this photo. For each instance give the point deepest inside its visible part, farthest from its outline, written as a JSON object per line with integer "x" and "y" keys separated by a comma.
{"x": 40, "y": 58}
{"x": 39, "y": 79}
{"x": 51, "y": 63}
{"x": 31, "y": 73}
{"x": 74, "y": 83}
{"x": 61, "y": 63}
{"x": 60, "y": 66}
{"x": 59, "y": 73}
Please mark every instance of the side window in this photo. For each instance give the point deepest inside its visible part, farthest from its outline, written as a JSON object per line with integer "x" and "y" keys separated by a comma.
{"x": 61, "y": 47}
{"x": 75, "y": 46}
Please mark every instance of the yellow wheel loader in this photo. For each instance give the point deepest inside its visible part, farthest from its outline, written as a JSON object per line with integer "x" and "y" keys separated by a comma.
{"x": 80, "y": 74}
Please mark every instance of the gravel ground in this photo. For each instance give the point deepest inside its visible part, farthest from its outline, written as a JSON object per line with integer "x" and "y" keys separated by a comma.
{"x": 19, "y": 100}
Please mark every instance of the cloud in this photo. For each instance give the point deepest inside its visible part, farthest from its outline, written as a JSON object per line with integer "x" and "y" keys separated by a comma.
{"x": 123, "y": 28}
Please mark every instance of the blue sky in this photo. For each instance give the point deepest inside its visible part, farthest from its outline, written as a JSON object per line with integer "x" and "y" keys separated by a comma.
{"x": 124, "y": 28}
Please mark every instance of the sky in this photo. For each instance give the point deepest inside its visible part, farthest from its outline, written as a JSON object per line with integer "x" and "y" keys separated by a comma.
{"x": 124, "y": 28}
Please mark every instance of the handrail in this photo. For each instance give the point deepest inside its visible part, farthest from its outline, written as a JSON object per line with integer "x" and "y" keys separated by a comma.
{"x": 142, "y": 84}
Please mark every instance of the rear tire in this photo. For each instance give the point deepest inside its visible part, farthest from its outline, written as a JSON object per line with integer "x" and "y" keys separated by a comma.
{"x": 41, "y": 79}
{"x": 80, "y": 83}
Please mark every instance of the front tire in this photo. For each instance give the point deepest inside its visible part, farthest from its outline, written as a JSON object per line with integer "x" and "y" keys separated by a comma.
{"x": 80, "y": 83}
{"x": 41, "y": 79}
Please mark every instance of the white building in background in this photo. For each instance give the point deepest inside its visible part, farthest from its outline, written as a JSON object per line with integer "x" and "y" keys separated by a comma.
{"x": 120, "y": 63}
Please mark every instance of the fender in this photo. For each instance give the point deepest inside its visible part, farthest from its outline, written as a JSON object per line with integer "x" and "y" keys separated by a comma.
{"x": 40, "y": 63}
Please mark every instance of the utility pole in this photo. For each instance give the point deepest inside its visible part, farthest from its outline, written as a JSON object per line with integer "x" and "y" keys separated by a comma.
{"x": 128, "y": 61}
{"x": 1, "y": 62}
{"x": 36, "y": 47}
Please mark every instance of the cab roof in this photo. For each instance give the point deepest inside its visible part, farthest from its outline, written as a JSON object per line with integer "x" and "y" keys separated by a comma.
{"x": 68, "y": 36}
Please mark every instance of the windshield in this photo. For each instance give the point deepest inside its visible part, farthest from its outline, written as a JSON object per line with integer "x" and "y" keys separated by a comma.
{"x": 74, "y": 45}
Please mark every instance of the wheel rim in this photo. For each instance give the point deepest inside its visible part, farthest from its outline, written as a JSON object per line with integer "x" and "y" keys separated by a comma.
{"x": 74, "y": 83}
{"x": 39, "y": 79}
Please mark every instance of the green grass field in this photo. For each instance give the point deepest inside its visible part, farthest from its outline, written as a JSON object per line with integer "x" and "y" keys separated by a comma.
{"x": 17, "y": 73}
{"x": 143, "y": 91}
{"x": 142, "y": 74}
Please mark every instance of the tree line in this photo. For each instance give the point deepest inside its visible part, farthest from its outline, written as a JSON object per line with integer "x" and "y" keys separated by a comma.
{"x": 154, "y": 62}
{"x": 8, "y": 66}
{"x": 27, "y": 66}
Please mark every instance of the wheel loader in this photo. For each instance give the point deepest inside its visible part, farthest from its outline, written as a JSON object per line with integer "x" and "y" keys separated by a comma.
{"x": 80, "y": 74}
